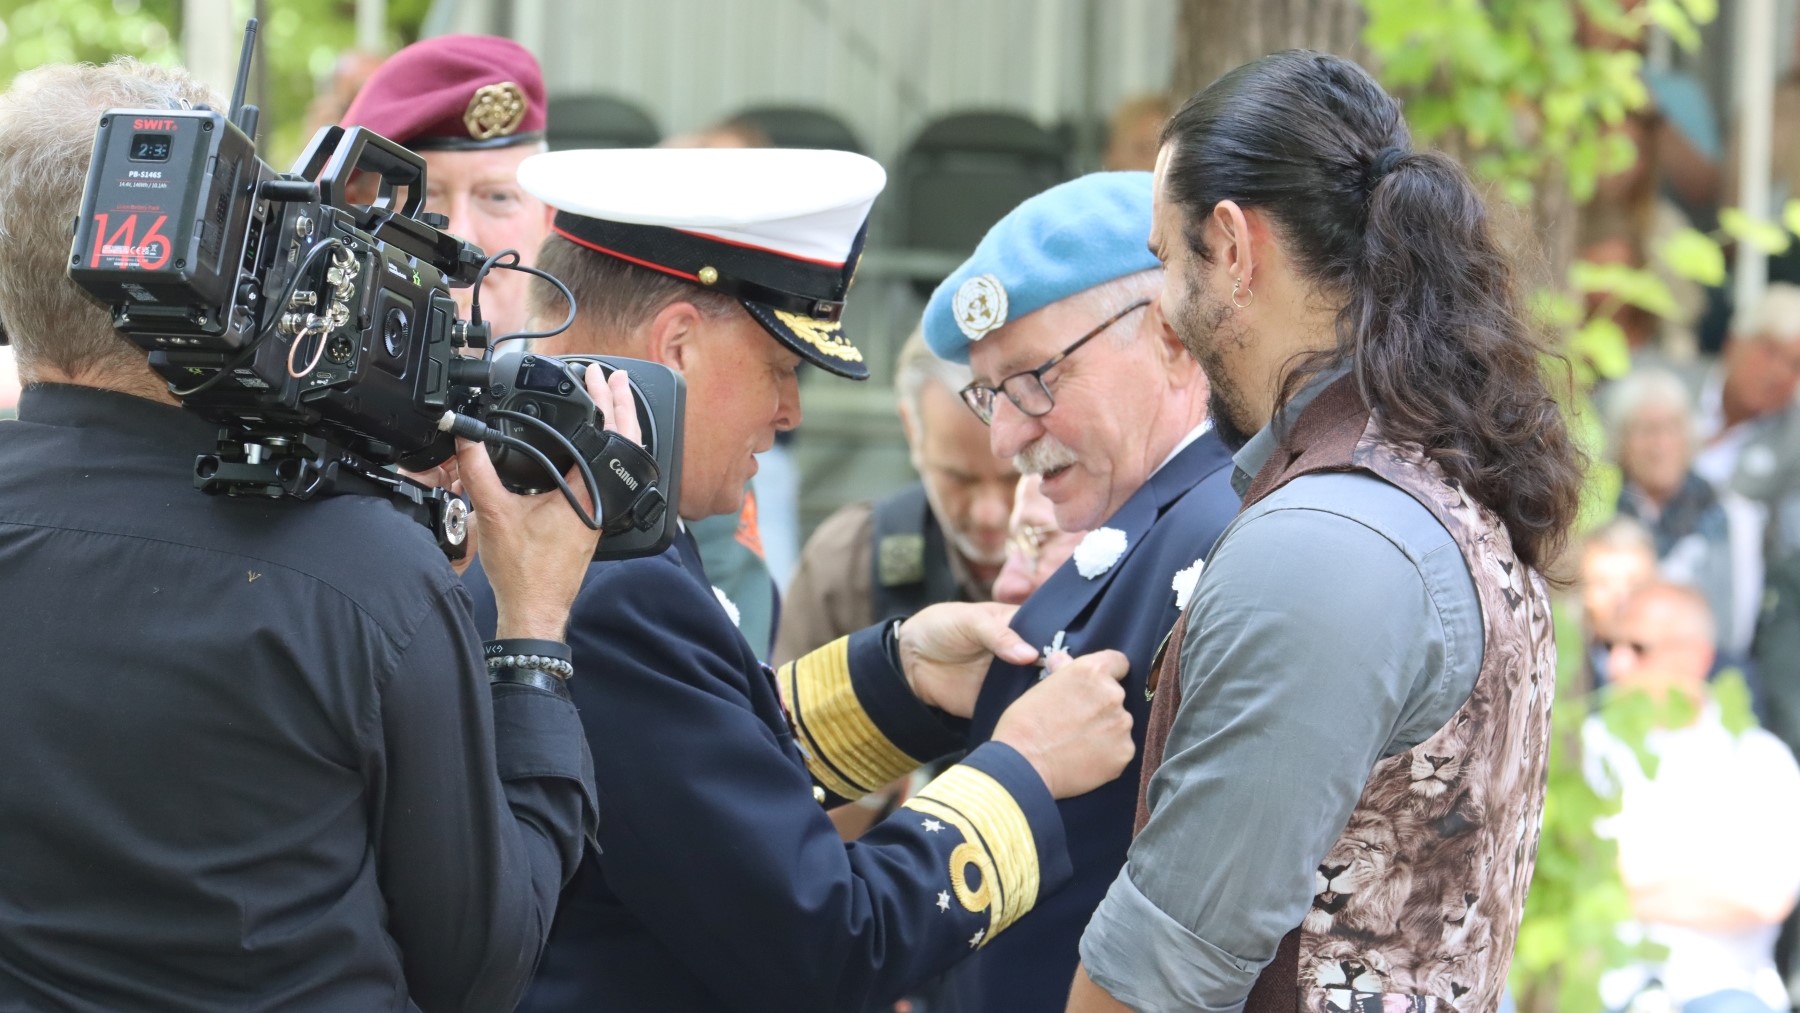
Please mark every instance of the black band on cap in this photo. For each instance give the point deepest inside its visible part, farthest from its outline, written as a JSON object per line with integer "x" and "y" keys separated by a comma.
{"x": 471, "y": 144}
{"x": 746, "y": 272}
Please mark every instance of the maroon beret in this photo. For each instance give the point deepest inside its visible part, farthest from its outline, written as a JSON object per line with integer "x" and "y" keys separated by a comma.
{"x": 454, "y": 92}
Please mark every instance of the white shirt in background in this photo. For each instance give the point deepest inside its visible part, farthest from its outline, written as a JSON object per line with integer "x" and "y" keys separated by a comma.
{"x": 1722, "y": 806}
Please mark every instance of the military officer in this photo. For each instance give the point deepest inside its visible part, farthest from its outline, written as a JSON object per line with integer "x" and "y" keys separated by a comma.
{"x": 717, "y": 881}
{"x": 473, "y": 107}
{"x": 1083, "y": 383}
{"x": 942, "y": 538}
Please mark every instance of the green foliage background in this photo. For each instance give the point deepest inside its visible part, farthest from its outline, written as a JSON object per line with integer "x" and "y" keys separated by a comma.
{"x": 300, "y": 41}
{"x": 1507, "y": 85}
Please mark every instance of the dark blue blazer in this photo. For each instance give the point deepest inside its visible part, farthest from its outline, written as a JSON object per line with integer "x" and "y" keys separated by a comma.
{"x": 718, "y": 882}
{"x": 1168, "y": 524}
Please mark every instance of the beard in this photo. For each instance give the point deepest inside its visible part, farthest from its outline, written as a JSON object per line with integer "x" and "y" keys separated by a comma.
{"x": 1206, "y": 327}
{"x": 1230, "y": 433}
{"x": 969, "y": 549}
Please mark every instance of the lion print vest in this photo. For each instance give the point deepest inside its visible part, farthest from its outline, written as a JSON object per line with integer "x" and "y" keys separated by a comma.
{"x": 1419, "y": 900}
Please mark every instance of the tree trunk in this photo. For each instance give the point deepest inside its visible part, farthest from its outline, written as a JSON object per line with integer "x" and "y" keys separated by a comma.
{"x": 1218, "y": 35}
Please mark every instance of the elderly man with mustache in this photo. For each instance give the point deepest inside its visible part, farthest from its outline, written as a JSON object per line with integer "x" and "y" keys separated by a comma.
{"x": 1082, "y": 382}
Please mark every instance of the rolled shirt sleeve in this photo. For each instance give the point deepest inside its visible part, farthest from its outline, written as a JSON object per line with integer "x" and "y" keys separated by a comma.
{"x": 1319, "y": 644}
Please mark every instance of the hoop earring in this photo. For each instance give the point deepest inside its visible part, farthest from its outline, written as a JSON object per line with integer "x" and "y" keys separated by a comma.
{"x": 1237, "y": 286}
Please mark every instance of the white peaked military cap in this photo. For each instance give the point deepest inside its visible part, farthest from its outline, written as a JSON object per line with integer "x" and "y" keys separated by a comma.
{"x": 780, "y": 229}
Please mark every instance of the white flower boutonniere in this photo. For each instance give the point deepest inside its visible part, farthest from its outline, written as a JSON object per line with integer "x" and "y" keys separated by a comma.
{"x": 730, "y": 609}
{"x": 1099, "y": 550}
{"x": 1184, "y": 584}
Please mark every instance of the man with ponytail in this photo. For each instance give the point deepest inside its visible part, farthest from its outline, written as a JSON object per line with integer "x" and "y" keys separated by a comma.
{"x": 1344, "y": 769}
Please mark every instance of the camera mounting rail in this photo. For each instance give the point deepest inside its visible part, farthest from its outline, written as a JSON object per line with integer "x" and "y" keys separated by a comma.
{"x": 301, "y": 466}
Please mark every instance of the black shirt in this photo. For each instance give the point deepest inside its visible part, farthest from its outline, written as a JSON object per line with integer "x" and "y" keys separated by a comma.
{"x": 249, "y": 756}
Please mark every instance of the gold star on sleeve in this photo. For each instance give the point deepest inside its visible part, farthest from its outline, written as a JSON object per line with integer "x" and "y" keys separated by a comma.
{"x": 995, "y": 868}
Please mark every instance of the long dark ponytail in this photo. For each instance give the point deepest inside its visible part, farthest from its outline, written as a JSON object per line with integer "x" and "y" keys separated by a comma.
{"x": 1431, "y": 321}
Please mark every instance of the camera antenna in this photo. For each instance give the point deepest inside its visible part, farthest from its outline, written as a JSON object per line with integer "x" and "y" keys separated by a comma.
{"x": 245, "y": 116}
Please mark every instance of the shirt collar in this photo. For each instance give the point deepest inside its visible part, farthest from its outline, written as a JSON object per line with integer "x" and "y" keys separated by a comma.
{"x": 127, "y": 415}
{"x": 1253, "y": 455}
{"x": 1193, "y": 434}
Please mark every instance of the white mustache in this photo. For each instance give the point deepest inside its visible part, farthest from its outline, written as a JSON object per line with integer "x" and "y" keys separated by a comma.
{"x": 1046, "y": 455}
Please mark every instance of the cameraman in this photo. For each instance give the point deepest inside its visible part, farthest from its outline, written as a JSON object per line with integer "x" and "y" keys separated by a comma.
{"x": 251, "y": 758}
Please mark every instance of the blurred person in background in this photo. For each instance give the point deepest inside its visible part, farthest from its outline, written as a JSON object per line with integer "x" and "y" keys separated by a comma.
{"x": 1035, "y": 546}
{"x": 731, "y": 133}
{"x": 1133, "y": 133}
{"x": 1748, "y": 426}
{"x": 1617, "y": 561}
{"x": 1766, "y": 470}
{"x": 1705, "y": 841}
{"x": 349, "y": 72}
{"x": 1699, "y": 541}
{"x": 473, "y": 107}
{"x": 942, "y": 538}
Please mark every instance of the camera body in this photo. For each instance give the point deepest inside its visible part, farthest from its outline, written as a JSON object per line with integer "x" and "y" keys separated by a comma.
{"x": 319, "y": 333}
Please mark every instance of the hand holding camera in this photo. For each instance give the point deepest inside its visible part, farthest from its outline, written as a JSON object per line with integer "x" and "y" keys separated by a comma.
{"x": 535, "y": 548}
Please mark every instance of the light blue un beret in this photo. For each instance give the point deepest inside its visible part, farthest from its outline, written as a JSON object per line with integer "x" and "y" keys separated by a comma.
{"x": 1065, "y": 240}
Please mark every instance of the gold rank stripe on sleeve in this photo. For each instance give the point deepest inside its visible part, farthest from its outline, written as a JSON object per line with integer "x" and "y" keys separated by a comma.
{"x": 845, "y": 752}
{"x": 997, "y": 844}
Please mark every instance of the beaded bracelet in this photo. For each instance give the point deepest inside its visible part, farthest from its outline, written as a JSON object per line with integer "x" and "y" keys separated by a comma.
{"x": 534, "y": 662}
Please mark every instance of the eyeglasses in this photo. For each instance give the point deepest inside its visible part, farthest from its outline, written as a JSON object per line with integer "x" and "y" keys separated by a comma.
{"x": 1028, "y": 540}
{"x": 1027, "y": 391}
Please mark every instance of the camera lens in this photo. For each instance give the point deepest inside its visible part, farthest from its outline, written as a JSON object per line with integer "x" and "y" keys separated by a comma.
{"x": 393, "y": 331}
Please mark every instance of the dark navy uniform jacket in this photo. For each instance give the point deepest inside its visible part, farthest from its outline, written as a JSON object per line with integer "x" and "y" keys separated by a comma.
{"x": 1169, "y": 523}
{"x": 719, "y": 883}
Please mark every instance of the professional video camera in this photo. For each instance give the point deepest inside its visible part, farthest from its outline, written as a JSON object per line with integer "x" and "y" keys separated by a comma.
{"x": 320, "y": 334}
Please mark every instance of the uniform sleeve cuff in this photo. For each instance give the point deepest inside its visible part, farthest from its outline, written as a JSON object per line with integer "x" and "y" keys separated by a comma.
{"x": 1014, "y": 849}
{"x": 856, "y": 718}
{"x": 538, "y": 734}
{"x": 1149, "y": 961}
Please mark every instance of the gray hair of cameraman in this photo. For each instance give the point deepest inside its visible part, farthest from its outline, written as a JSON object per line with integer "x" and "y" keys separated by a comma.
{"x": 47, "y": 123}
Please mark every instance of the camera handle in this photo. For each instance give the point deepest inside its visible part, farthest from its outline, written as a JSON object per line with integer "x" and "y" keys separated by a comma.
{"x": 334, "y": 155}
{"x": 283, "y": 466}
{"x": 360, "y": 148}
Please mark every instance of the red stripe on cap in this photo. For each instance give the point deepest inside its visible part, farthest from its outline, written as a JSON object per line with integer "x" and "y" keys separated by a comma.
{"x": 760, "y": 249}
{"x": 597, "y": 248}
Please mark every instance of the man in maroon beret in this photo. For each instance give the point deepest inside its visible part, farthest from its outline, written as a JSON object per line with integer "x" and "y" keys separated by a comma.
{"x": 473, "y": 106}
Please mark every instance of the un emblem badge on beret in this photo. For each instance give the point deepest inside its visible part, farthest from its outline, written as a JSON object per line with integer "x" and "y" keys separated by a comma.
{"x": 495, "y": 110}
{"x": 979, "y": 306}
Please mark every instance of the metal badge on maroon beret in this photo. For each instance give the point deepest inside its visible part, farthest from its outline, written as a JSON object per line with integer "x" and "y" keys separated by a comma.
{"x": 781, "y": 230}
{"x": 454, "y": 92}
